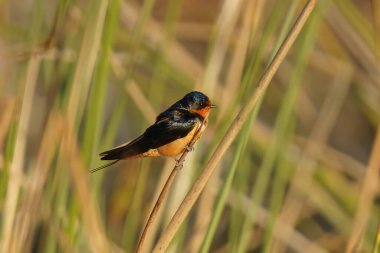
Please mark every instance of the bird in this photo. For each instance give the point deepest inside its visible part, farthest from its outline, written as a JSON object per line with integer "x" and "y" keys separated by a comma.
{"x": 174, "y": 129}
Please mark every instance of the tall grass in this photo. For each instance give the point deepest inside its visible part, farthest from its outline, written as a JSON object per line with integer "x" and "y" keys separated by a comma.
{"x": 77, "y": 78}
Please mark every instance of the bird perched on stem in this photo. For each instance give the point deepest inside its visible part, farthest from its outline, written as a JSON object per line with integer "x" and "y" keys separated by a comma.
{"x": 170, "y": 135}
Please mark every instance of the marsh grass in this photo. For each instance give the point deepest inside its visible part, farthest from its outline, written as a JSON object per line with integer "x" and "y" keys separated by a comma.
{"x": 80, "y": 77}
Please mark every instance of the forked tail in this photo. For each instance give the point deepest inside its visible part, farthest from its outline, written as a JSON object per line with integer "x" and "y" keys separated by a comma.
{"x": 104, "y": 166}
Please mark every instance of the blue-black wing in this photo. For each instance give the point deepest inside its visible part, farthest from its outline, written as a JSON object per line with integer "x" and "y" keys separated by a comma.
{"x": 169, "y": 126}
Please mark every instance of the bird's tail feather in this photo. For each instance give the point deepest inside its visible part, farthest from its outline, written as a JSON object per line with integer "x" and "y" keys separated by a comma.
{"x": 104, "y": 166}
{"x": 126, "y": 150}
{"x": 115, "y": 153}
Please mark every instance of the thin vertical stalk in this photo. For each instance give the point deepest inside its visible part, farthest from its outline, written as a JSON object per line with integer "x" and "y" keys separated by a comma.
{"x": 15, "y": 171}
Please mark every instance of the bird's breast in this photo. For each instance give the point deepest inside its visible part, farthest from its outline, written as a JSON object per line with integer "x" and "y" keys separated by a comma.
{"x": 176, "y": 147}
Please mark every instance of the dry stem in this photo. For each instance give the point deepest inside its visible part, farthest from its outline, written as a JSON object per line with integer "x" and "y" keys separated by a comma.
{"x": 164, "y": 191}
{"x": 369, "y": 188}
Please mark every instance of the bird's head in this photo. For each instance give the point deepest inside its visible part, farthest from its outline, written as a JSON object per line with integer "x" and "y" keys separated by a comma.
{"x": 197, "y": 102}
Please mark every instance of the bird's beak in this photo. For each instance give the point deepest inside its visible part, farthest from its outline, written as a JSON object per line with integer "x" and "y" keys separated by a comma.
{"x": 212, "y": 106}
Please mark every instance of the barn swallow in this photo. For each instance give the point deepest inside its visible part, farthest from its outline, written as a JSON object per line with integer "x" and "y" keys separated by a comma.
{"x": 170, "y": 135}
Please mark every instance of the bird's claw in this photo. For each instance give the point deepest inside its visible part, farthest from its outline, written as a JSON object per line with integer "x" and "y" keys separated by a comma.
{"x": 179, "y": 163}
{"x": 189, "y": 148}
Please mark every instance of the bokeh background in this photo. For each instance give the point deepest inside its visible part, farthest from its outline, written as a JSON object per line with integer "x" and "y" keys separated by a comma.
{"x": 79, "y": 77}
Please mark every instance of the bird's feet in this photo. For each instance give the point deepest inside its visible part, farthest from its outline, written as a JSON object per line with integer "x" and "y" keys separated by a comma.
{"x": 189, "y": 148}
{"x": 179, "y": 163}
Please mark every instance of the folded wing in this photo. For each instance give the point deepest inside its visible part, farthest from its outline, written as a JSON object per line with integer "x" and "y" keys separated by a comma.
{"x": 169, "y": 126}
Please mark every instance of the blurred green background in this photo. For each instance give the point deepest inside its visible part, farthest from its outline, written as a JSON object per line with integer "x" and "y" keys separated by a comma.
{"x": 79, "y": 77}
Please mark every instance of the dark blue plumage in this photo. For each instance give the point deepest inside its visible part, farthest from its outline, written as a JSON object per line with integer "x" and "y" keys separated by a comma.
{"x": 171, "y": 132}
